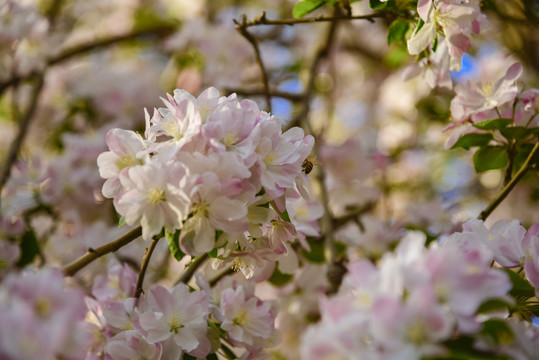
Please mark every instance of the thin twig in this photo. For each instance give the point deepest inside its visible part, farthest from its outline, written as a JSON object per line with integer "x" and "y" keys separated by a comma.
{"x": 83, "y": 49}
{"x": 254, "y": 92}
{"x": 94, "y": 45}
{"x": 93, "y": 254}
{"x": 510, "y": 164}
{"x": 53, "y": 11}
{"x": 188, "y": 274}
{"x": 343, "y": 220}
{"x": 218, "y": 278}
{"x": 144, "y": 266}
{"x": 262, "y": 20}
{"x": 511, "y": 184}
{"x": 23, "y": 129}
{"x": 321, "y": 54}
{"x": 336, "y": 269}
{"x": 242, "y": 28}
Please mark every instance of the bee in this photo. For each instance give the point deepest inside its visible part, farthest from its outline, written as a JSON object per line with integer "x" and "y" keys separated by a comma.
{"x": 308, "y": 164}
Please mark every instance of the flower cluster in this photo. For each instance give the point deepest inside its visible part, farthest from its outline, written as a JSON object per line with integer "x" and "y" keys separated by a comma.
{"x": 511, "y": 245}
{"x": 166, "y": 323}
{"x": 446, "y": 26}
{"x": 209, "y": 165}
{"x": 40, "y": 318}
{"x": 414, "y": 299}
{"x": 487, "y": 99}
{"x": 24, "y": 32}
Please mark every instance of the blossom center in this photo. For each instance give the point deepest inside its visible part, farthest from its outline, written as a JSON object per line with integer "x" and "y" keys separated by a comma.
{"x": 127, "y": 161}
{"x": 42, "y": 307}
{"x": 201, "y": 209}
{"x": 171, "y": 127}
{"x": 174, "y": 323}
{"x": 204, "y": 110}
{"x": 156, "y": 196}
{"x": 415, "y": 333}
{"x": 238, "y": 264}
{"x": 271, "y": 158}
{"x": 229, "y": 140}
{"x": 241, "y": 319}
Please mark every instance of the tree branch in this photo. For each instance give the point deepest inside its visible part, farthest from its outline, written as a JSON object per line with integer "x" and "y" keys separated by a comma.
{"x": 23, "y": 129}
{"x": 242, "y": 28}
{"x": 254, "y": 92}
{"x": 218, "y": 278}
{"x": 93, "y": 254}
{"x": 144, "y": 266}
{"x": 85, "y": 48}
{"x": 262, "y": 20}
{"x": 192, "y": 268}
{"x": 321, "y": 54}
{"x": 511, "y": 184}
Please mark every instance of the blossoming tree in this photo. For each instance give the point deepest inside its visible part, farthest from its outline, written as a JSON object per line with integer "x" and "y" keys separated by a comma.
{"x": 319, "y": 179}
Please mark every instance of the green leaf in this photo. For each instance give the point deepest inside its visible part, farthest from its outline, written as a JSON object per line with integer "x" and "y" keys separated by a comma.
{"x": 462, "y": 348}
{"x": 229, "y": 353}
{"x": 188, "y": 357}
{"x": 213, "y": 253}
{"x": 419, "y": 26}
{"x": 396, "y": 56}
{"x": 278, "y": 278}
{"x": 121, "y": 222}
{"x": 212, "y": 357}
{"x": 147, "y": 18}
{"x": 515, "y": 132}
{"x": 316, "y": 255}
{"x": 397, "y": 30}
{"x": 493, "y": 305}
{"x": 523, "y": 152}
{"x": 521, "y": 286}
{"x": 306, "y": 6}
{"x": 499, "y": 331}
{"x": 377, "y": 4}
{"x": 29, "y": 248}
{"x": 284, "y": 214}
{"x": 490, "y": 158}
{"x": 173, "y": 240}
{"x": 473, "y": 139}
{"x": 493, "y": 124}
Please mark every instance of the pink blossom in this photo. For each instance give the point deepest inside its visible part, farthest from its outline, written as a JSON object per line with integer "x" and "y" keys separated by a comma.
{"x": 304, "y": 215}
{"x": 231, "y": 128}
{"x": 40, "y": 316}
{"x": 413, "y": 326}
{"x": 457, "y": 21}
{"x": 531, "y": 262}
{"x": 245, "y": 318}
{"x": 152, "y": 197}
{"x": 213, "y": 207}
{"x": 177, "y": 314}
{"x": 474, "y": 98}
{"x": 179, "y": 121}
{"x": 281, "y": 155}
{"x": 117, "y": 285}
{"x": 125, "y": 151}
{"x": 504, "y": 239}
{"x": 342, "y": 161}
{"x": 434, "y": 69}
{"x": 9, "y": 254}
{"x": 248, "y": 255}
{"x": 130, "y": 345}
{"x": 461, "y": 273}
{"x": 526, "y": 109}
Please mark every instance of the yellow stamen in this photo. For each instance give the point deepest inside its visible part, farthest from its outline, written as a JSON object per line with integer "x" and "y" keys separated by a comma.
{"x": 127, "y": 161}
{"x": 156, "y": 195}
